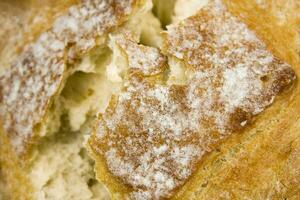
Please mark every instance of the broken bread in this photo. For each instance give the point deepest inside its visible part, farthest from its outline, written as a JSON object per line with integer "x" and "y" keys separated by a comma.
{"x": 182, "y": 114}
{"x": 153, "y": 135}
{"x": 48, "y": 98}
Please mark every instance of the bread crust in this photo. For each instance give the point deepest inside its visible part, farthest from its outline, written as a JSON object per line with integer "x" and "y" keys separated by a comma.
{"x": 260, "y": 162}
{"x": 123, "y": 138}
{"x": 30, "y": 84}
{"x": 257, "y": 163}
{"x": 43, "y": 46}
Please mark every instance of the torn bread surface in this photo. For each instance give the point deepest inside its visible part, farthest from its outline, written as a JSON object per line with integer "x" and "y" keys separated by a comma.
{"x": 87, "y": 92}
{"x": 147, "y": 70}
{"x": 56, "y": 88}
{"x": 153, "y": 134}
{"x": 28, "y": 87}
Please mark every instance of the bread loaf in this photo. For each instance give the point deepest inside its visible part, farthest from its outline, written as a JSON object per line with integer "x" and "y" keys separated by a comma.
{"x": 141, "y": 99}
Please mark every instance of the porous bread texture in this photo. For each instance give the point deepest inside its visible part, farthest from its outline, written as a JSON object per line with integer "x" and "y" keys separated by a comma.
{"x": 30, "y": 84}
{"x": 86, "y": 92}
{"x": 210, "y": 184}
{"x": 40, "y": 128}
{"x": 94, "y": 71}
{"x": 63, "y": 170}
{"x": 59, "y": 170}
{"x": 58, "y": 167}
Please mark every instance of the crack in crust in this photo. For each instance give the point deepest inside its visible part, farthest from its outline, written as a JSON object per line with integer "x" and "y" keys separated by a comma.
{"x": 138, "y": 56}
{"x": 31, "y": 82}
{"x": 152, "y": 136}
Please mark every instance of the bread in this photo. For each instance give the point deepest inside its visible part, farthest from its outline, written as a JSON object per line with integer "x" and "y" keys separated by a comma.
{"x": 206, "y": 109}
{"x": 42, "y": 116}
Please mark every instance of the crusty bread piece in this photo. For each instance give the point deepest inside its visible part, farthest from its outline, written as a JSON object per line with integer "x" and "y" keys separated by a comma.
{"x": 155, "y": 134}
{"x": 54, "y": 90}
{"x": 23, "y": 21}
{"x": 260, "y": 163}
{"x": 180, "y": 113}
{"x": 27, "y": 89}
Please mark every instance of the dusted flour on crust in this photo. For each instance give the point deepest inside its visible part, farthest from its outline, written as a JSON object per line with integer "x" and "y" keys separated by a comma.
{"x": 141, "y": 59}
{"x": 152, "y": 135}
{"x": 27, "y": 87}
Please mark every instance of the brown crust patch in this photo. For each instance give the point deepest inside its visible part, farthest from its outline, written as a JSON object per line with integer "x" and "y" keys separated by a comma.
{"x": 37, "y": 75}
{"x": 152, "y": 136}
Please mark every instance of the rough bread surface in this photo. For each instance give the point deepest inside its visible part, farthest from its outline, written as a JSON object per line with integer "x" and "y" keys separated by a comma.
{"x": 141, "y": 59}
{"x": 63, "y": 170}
{"x": 152, "y": 135}
{"x": 27, "y": 87}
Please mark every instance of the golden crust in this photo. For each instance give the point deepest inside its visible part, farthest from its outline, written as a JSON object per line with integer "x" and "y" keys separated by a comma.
{"x": 23, "y": 21}
{"x": 17, "y": 184}
{"x": 260, "y": 163}
{"x": 152, "y": 136}
{"x": 253, "y": 165}
{"x": 29, "y": 85}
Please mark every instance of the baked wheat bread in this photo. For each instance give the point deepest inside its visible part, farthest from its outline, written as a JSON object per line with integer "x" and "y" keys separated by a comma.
{"x": 206, "y": 109}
